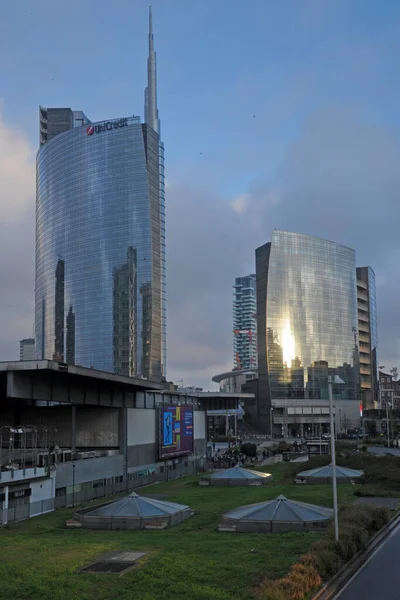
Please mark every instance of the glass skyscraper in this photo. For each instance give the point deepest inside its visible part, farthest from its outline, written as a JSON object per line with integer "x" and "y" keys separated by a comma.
{"x": 100, "y": 240}
{"x": 245, "y": 323}
{"x": 307, "y": 329}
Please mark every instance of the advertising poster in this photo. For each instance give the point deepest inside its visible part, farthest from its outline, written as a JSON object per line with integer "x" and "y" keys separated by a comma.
{"x": 176, "y": 431}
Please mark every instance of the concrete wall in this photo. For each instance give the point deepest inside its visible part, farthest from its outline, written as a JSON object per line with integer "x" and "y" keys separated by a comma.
{"x": 97, "y": 390}
{"x": 21, "y": 475}
{"x": 200, "y": 447}
{"x": 142, "y": 454}
{"x": 97, "y": 428}
{"x": 42, "y": 496}
{"x": 141, "y": 436}
{"x": 141, "y": 426}
{"x": 199, "y": 425}
{"x": 89, "y": 470}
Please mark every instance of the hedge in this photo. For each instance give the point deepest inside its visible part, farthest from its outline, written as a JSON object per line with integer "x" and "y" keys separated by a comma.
{"x": 326, "y": 557}
{"x": 379, "y": 470}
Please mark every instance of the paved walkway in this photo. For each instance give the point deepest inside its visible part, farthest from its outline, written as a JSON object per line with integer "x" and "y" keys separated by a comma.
{"x": 382, "y": 450}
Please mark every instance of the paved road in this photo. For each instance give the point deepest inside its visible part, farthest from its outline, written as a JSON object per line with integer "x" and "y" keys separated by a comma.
{"x": 379, "y": 579}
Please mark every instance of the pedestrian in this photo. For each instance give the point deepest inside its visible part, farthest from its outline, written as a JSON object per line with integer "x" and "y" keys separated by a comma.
{"x": 264, "y": 454}
{"x": 213, "y": 446}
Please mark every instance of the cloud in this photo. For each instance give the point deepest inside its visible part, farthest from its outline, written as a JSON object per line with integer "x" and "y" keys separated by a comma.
{"x": 239, "y": 203}
{"x": 17, "y": 174}
{"x": 206, "y": 245}
{"x": 338, "y": 180}
{"x": 17, "y": 227}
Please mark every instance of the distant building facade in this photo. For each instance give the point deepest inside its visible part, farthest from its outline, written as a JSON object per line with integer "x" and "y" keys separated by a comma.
{"x": 189, "y": 389}
{"x": 245, "y": 323}
{"x": 232, "y": 381}
{"x": 389, "y": 392}
{"x": 307, "y": 330}
{"x": 368, "y": 336}
{"x": 27, "y": 349}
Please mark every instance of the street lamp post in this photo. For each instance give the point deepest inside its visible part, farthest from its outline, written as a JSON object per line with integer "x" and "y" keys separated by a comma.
{"x": 387, "y": 423}
{"x": 73, "y": 484}
{"x": 334, "y": 379}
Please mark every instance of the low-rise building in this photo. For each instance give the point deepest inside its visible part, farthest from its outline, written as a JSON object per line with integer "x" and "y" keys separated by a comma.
{"x": 69, "y": 434}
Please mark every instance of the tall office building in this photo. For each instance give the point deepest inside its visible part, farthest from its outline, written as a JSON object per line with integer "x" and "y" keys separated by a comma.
{"x": 368, "y": 336}
{"x": 307, "y": 330}
{"x": 100, "y": 239}
{"x": 27, "y": 349}
{"x": 245, "y": 323}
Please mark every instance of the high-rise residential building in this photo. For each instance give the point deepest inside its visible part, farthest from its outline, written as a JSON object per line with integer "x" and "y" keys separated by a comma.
{"x": 307, "y": 330}
{"x": 245, "y": 323}
{"x": 368, "y": 336}
{"x": 100, "y": 239}
{"x": 27, "y": 349}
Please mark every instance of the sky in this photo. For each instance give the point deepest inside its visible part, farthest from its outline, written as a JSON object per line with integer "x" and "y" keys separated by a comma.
{"x": 274, "y": 115}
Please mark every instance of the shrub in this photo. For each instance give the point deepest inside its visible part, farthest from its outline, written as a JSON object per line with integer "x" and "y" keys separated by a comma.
{"x": 352, "y": 534}
{"x": 327, "y": 556}
{"x": 249, "y": 449}
{"x": 328, "y": 561}
{"x": 283, "y": 447}
{"x": 302, "y": 578}
{"x": 369, "y": 517}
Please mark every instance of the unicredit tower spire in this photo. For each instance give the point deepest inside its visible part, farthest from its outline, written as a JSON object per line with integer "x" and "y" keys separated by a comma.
{"x": 150, "y": 95}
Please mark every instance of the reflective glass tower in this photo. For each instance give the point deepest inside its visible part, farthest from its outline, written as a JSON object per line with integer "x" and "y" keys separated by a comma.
{"x": 307, "y": 327}
{"x": 100, "y": 240}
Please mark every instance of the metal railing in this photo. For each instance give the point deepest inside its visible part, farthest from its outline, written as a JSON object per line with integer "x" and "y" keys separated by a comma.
{"x": 81, "y": 493}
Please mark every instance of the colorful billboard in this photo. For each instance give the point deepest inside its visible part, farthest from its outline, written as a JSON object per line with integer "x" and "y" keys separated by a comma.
{"x": 176, "y": 431}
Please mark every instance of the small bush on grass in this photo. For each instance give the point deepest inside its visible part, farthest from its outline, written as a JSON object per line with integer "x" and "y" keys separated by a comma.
{"x": 249, "y": 449}
{"x": 327, "y": 556}
{"x": 302, "y": 578}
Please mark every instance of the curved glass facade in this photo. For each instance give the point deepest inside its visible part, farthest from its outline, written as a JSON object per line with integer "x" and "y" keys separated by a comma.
{"x": 311, "y": 318}
{"x": 100, "y": 264}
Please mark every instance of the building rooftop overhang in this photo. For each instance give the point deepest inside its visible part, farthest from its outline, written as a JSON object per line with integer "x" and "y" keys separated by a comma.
{"x": 235, "y": 373}
{"x": 238, "y": 395}
{"x": 51, "y": 367}
{"x": 208, "y": 400}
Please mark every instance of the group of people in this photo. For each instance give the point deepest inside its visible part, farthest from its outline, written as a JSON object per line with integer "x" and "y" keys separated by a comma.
{"x": 228, "y": 457}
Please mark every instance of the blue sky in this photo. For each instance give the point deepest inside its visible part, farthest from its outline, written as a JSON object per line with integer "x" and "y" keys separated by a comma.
{"x": 219, "y": 62}
{"x": 259, "y": 100}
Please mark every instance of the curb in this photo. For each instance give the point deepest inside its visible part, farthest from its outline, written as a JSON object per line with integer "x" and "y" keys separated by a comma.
{"x": 333, "y": 586}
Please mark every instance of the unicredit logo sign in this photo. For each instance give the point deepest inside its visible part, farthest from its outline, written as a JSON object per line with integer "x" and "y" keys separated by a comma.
{"x": 107, "y": 126}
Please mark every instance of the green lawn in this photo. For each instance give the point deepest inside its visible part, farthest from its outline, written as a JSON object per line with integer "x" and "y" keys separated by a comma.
{"x": 39, "y": 557}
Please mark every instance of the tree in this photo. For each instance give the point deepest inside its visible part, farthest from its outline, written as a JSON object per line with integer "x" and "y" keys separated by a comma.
{"x": 250, "y": 450}
{"x": 345, "y": 423}
{"x": 395, "y": 373}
